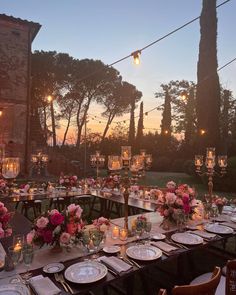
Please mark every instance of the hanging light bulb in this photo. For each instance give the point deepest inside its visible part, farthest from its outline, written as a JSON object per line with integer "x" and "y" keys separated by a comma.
{"x": 1, "y": 112}
{"x": 49, "y": 98}
{"x": 146, "y": 114}
{"x": 136, "y": 57}
{"x": 202, "y": 131}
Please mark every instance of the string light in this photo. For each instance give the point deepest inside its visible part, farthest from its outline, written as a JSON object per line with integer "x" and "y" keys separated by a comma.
{"x": 136, "y": 57}
{"x": 1, "y": 112}
{"x": 146, "y": 114}
{"x": 166, "y": 132}
{"x": 49, "y": 98}
{"x": 202, "y": 131}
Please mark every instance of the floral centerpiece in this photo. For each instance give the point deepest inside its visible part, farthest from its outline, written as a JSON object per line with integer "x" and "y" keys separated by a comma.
{"x": 102, "y": 224}
{"x": 219, "y": 202}
{"x": 57, "y": 229}
{"x": 5, "y": 216}
{"x": 68, "y": 181}
{"x": 177, "y": 203}
{"x": 139, "y": 223}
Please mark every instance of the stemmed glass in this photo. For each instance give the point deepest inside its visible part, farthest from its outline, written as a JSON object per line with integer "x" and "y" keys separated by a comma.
{"x": 28, "y": 255}
{"x": 96, "y": 237}
{"x": 86, "y": 239}
{"x": 214, "y": 212}
{"x": 148, "y": 227}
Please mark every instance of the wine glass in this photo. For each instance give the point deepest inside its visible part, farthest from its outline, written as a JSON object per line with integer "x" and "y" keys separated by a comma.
{"x": 28, "y": 255}
{"x": 214, "y": 211}
{"x": 148, "y": 227}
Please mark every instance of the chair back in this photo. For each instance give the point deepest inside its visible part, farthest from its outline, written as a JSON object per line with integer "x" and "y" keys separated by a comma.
{"x": 162, "y": 292}
{"x": 230, "y": 285}
{"x": 207, "y": 288}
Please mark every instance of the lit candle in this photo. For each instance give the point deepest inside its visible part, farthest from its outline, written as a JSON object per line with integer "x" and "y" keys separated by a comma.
{"x": 123, "y": 234}
{"x": 115, "y": 232}
{"x": 198, "y": 162}
{"x": 17, "y": 247}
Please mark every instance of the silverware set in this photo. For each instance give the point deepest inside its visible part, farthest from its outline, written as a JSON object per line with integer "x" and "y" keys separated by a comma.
{"x": 60, "y": 279}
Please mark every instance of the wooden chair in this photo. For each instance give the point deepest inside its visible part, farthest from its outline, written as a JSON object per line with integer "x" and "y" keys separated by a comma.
{"x": 206, "y": 288}
{"x": 162, "y": 292}
{"x": 230, "y": 285}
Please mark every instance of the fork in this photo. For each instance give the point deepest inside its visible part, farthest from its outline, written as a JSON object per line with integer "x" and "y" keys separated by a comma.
{"x": 177, "y": 244}
{"x": 61, "y": 277}
{"x": 56, "y": 276}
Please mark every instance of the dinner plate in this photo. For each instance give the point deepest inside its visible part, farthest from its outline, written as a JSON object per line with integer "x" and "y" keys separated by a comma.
{"x": 233, "y": 218}
{"x": 111, "y": 249}
{"x": 158, "y": 237}
{"x": 187, "y": 239}
{"x": 53, "y": 267}
{"x": 14, "y": 289}
{"x": 85, "y": 272}
{"x": 144, "y": 252}
{"x": 218, "y": 229}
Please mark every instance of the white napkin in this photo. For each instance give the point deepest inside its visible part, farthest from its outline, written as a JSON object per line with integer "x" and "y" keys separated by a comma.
{"x": 164, "y": 246}
{"x": 43, "y": 285}
{"x": 203, "y": 234}
{"x": 115, "y": 263}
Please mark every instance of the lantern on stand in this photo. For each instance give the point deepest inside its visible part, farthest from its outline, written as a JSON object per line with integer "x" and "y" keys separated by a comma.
{"x": 10, "y": 170}
{"x": 97, "y": 161}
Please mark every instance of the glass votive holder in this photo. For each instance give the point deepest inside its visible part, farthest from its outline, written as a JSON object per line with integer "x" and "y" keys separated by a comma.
{"x": 123, "y": 234}
{"x": 15, "y": 254}
{"x": 115, "y": 232}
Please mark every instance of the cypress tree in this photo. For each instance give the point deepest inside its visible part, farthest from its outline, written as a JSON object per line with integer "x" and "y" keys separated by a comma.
{"x": 166, "y": 116}
{"x": 139, "y": 135}
{"x": 208, "y": 87}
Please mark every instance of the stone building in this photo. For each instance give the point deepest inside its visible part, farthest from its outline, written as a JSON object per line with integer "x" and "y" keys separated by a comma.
{"x": 16, "y": 37}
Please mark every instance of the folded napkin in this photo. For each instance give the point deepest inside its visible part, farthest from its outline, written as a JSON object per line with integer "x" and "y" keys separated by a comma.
{"x": 115, "y": 263}
{"x": 44, "y": 286}
{"x": 164, "y": 246}
{"x": 203, "y": 234}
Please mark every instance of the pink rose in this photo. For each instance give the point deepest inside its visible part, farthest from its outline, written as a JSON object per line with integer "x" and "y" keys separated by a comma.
{"x": 47, "y": 236}
{"x": 166, "y": 213}
{"x": 53, "y": 211}
{"x": 42, "y": 222}
{"x": 3, "y": 210}
{"x": 75, "y": 178}
{"x": 71, "y": 208}
{"x": 171, "y": 186}
{"x": 56, "y": 219}
{"x": 185, "y": 198}
{"x": 179, "y": 202}
{"x": 170, "y": 198}
{"x": 65, "y": 238}
{"x": 79, "y": 212}
{"x": 61, "y": 180}
{"x": 186, "y": 208}
{"x": 30, "y": 237}
{"x": 1, "y": 205}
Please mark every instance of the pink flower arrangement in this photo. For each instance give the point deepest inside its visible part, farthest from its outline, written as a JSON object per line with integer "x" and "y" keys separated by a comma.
{"x": 68, "y": 181}
{"x": 57, "y": 228}
{"x": 101, "y": 223}
{"x": 3, "y": 185}
{"x": 5, "y": 216}
{"x": 177, "y": 202}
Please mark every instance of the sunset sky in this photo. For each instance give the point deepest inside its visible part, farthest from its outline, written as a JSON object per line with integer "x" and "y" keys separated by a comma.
{"x": 109, "y": 30}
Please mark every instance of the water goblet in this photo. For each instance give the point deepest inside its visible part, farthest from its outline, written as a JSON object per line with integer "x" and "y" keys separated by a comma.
{"x": 28, "y": 255}
{"x": 96, "y": 237}
{"x": 15, "y": 254}
{"x": 148, "y": 227}
{"x": 86, "y": 239}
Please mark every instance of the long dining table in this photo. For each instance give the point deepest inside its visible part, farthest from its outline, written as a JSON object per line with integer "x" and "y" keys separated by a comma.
{"x": 78, "y": 254}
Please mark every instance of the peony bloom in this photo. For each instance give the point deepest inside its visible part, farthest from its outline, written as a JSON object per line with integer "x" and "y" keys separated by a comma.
{"x": 47, "y": 236}
{"x": 187, "y": 209}
{"x": 42, "y": 222}
{"x": 170, "y": 198}
{"x": 185, "y": 198}
{"x": 30, "y": 236}
{"x": 171, "y": 185}
{"x": 65, "y": 238}
{"x": 56, "y": 219}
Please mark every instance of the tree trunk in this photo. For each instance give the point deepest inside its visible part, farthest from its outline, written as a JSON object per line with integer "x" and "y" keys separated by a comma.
{"x": 208, "y": 88}
{"x": 110, "y": 119}
{"x": 66, "y": 131}
{"x": 54, "y": 138}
